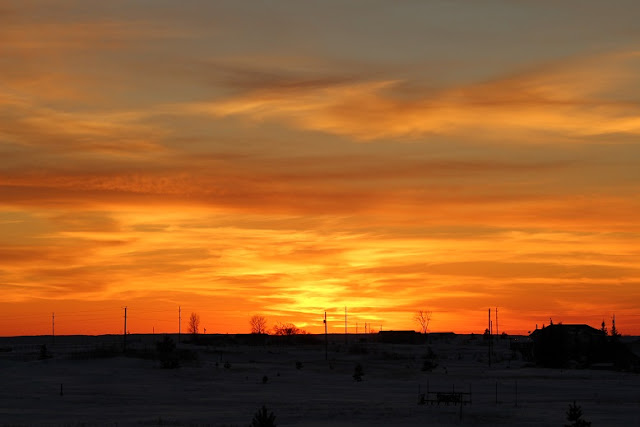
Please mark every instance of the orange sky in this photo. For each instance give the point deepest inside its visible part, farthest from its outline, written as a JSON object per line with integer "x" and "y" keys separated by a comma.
{"x": 236, "y": 158}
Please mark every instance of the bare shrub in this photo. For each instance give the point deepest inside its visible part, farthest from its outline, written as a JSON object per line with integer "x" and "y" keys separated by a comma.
{"x": 263, "y": 418}
{"x": 286, "y": 329}
{"x": 423, "y": 318}
{"x": 258, "y": 324}
{"x": 194, "y": 323}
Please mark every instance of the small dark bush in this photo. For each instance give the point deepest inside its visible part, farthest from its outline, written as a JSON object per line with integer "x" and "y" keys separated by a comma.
{"x": 265, "y": 379}
{"x": 44, "y": 353}
{"x": 429, "y": 363}
{"x": 169, "y": 358}
{"x": 298, "y": 365}
{"x": 358, "y": 372}
{"x": 574, "y": 416}
{"x": 429, "y": 354}
{"x": 263, "y": 418}
{"x": 421, "y": 399}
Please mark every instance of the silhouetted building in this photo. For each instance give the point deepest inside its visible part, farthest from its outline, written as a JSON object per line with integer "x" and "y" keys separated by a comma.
{"x": 441, "y": 336}
{"x": 558, "y": 346}
{"x": 400, "y": 337}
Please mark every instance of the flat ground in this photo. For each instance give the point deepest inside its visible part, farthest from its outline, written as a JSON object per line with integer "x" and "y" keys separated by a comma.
{"x": 135, "y": 391}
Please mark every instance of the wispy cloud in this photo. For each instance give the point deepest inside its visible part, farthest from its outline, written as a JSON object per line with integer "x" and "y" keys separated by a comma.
{"x": 564, "y": 100}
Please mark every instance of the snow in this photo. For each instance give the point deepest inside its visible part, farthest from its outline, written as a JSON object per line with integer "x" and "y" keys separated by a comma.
{"x": 135, "y": 391}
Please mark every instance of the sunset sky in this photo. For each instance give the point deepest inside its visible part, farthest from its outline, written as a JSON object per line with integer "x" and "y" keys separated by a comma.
{"x": 285, "y": 158}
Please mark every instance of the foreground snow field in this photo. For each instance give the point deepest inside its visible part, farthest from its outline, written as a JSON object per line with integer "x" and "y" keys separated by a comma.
{"x": 135, "y": 391}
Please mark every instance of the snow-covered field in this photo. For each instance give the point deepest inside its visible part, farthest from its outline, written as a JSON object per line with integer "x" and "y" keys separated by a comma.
{"x": 134, "y": 391}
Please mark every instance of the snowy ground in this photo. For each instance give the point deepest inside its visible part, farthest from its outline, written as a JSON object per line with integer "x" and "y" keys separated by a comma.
{"x": 133, "y": 391}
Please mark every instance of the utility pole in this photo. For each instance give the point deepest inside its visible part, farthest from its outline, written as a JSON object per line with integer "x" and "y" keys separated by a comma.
{"x": 497, "y": 332}
{"x": 326, "y": 338}
{"x": 124, "y": 345}
{"x": 345, "y": 324}
{"x": 489, "y": 329}
{"x": 179, "y": 321}
{"x": 53, "y": 327}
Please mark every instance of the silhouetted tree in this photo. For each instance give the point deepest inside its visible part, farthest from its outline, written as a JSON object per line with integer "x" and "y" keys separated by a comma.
{"x": 286, "y": 329}
{"x": 423, "y": 317}
{"x": 194, "y": 323}
{"x": 615, "y": 334}
{"x": 263, "y": 418}
{"x": 574, "y": 416}
{"x": 258, "y": 324}
{"x": 603, "y": 328}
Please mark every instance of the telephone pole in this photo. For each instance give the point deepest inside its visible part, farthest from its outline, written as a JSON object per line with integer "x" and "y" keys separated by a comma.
{"x": 489, "y": 329}
{"x": 326, "y": 338}
{"x": 124, "y": 342}
{"x": 497, "y": 332}
{"x": 345, "y": 324}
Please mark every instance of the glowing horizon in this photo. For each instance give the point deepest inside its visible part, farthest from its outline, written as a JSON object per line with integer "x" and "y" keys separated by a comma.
{"x": 236, "y": 159}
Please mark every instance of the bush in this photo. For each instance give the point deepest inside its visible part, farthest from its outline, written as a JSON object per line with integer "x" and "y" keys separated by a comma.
{"x": 429, "y": 363}
{"x": 44, "y": 353}
{"x": 263, "y": 418}
{"x": 287, "y": 329}
{"x": 169, "y": 358}
{"x": 574, "y": 416}
{"x": 358, "y": 372}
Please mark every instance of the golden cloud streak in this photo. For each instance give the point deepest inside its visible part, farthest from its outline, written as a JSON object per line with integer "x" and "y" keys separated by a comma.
{"x": 570, "y": 100}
